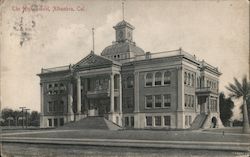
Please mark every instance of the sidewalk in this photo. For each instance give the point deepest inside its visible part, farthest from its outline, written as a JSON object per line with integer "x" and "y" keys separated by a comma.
{"x": 228, "y": 146}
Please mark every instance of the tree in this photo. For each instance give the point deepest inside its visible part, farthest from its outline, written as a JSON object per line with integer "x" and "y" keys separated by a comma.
{"x": 226, "y": 106}
{"x": 34, "y": 118}
{"x": 7, "y": 113}
{"x": 241, "y": 90}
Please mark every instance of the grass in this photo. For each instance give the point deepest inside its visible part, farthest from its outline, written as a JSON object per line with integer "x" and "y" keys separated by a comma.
{"x": 207, "y": 135}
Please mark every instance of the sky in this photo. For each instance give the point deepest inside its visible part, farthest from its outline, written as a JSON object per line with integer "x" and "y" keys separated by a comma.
{"x": 56, "y": 33}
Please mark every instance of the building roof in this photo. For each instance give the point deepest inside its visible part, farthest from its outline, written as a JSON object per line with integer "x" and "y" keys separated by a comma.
{"x": 93, "y": 60}
{"x": 124, "y": 23}
{"x": 122, "y": 47}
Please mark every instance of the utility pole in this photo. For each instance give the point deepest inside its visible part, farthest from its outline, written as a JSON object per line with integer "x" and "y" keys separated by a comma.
{"x": 22, "y": 116}
{"x": 26, "y": 116}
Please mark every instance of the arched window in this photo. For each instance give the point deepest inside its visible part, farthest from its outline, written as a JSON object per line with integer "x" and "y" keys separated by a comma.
{"x": 167, "y": 78}
{"x": 149, "y": 79}
{"x": 130, "y": 82}
{"x": 185, "y": 78}
{"x": 158, "y": 78}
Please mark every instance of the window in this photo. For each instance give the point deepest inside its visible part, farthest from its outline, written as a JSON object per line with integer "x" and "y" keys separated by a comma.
{"x": 130, "y": 82}
{"x": 158, "y": 78}
{"x": 186, "y": 100}
{"x": 189, "y": 79}
{"x": 149, "y": 101}
{"x": 56, "y": 85}
{"x": 198, "y": 82}
{"x": 189, "y": 100}
{"x": 167, "y": 100}
{"x": 132, "y": 121}
{"x": 167, "y": 120}
{"x": 157, "y": 120}
{"x": 185, "y": 78}
{"x": 186, "y": 120}
{"x": 149, "y": 79}
{"x": 50, "y": 122}
{"x": 126, "y": 121}
{"x": 192, "y": 80}
{"x": 167, "y": 78}
{"x": 148, "y": 120}
{"x": 50, "y": 86}
{"x": 192, "y": 103}
{"x": 55, "y": 122}
{"x": 158, "y": 101}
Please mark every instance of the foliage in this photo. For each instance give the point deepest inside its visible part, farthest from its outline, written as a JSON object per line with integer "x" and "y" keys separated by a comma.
{"x": 16, "y": 117}
{"x": 241, "y": 90}
{"x": 226, "y": 106}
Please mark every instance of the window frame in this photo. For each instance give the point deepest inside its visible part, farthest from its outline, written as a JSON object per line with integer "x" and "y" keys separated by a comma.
{"x": 167, "y": 118}
{"x": 158, "y": 79}
{"x": 167, "y": 78}
{"x": 147, "y": 120}
{"x": 146, "y": 102}
{"x": 156, "y": 101}
{"x": 149, "y": 83}
{"x": 167, "y": 97}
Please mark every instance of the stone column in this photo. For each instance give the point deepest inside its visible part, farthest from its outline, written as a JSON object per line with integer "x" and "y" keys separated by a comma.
{"x": 136, "y": 92}
{"x": 120, "y": 93}
{"x": 111, "y": 93}
{"x": 41, "y": 98}
{"x": 181, "y": 99}
{"x": 70, "y": 101}
{"x": 180, "y": 123}
{"x": 86, "y": 99}
{"x": 78, "y": 90}
{"x": 42, "y": 124}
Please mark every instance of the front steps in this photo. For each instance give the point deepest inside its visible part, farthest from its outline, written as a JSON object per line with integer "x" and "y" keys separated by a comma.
{"x": 94, "y": 122}
{"x": 198, "y": 121}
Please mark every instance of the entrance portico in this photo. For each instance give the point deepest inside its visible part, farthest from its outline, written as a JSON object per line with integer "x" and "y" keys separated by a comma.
{"x": 98, "y": 92}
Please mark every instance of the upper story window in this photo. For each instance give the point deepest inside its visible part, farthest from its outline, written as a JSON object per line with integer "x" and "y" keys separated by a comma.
{"x": 149, "y": 79}
{"x": 167, "y": 78}
{"x": 158, "y": 78}
{"x": 50, "y": 86}
{"x": 149, "y": 101}
{"x": 185, "y": 78}
{"x": 192, "y": 80}
{"x": 186, "y": 100}
{"x": 198, "y": 82}
{"x": 158, "y": 101}
{"x": 189, "y": 79}
{"x": 167, "y": 100}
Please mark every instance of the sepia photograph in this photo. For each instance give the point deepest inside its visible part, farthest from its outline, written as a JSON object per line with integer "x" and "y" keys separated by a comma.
{"x": 124, "y": 78}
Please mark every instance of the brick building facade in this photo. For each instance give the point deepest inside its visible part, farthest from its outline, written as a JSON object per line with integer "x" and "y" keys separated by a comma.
{"x": 132, "y": 88}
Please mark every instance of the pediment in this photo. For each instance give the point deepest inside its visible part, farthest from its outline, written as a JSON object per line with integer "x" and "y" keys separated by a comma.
{"x": 93, "y": 60}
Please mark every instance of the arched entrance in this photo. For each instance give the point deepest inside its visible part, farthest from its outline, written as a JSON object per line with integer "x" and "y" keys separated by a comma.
{"x": 214, "y": 122}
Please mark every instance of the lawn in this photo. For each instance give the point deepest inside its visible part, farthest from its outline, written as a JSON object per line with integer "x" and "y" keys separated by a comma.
{"x": 207, "y": 135}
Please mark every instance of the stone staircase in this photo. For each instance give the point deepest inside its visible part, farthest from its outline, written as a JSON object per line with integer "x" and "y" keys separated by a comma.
{"x": 198, "y": 121}
{"x": 93, "y": 122}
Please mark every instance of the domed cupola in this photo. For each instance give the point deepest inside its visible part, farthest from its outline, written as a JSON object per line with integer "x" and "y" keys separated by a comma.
{"x": 124, "y": 47}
